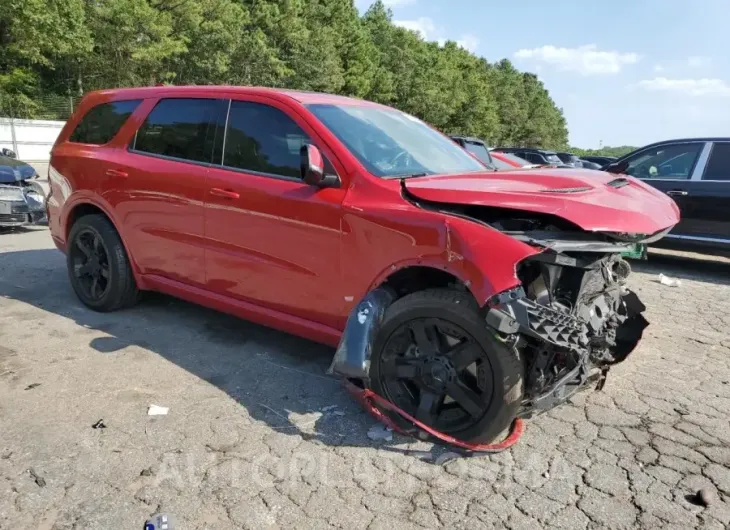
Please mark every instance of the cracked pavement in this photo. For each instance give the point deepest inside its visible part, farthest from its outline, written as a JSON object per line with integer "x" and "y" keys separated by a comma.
{"x": 259, "y": 437}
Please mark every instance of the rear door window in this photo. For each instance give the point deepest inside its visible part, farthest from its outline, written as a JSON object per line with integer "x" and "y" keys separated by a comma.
{"x": 181, "y": 128}
{"x": 102, "y": 122}
{"x": 263, "y": 139}
{"x": 718, "y": 168}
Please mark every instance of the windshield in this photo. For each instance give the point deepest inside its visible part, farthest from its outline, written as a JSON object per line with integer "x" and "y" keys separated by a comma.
{"x": 391, "y": 143}
{"x": 553, "y": 159}
{"x": 480, "y": 151}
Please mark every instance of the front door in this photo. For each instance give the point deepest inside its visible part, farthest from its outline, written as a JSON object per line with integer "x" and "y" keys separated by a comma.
{"x": 669, "y": 168}
{"x": 271, "y": 238}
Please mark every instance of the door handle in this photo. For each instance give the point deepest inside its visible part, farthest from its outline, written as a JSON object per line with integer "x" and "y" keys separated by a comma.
{"x": 226, "y": 194}
{"x": 116, "y": 173}
{"x": 677, "y": 192}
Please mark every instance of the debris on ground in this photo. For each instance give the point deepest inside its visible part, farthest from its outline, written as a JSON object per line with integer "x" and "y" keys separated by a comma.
{"x": 32, "y": 386}
{"x": 669, "y": 282}
{"x": 146, "y": 472}
{"x": 156, "y": 410}
{"x": 328, "y": 408}
{"x": 159, "y": 521}
{"x": 39, "y": 480}
{"x": 338, "y": 413}
{"x": 705, "y": 497}
{"x": 380, "y": 432}
{"x": 682, "y": 411}
{"x": 99, "y": 425}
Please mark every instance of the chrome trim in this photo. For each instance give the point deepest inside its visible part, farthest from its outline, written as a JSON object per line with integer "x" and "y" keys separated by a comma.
{"x": 699, "y": 238}
{"x": 701, "y": 163}
{"x": 225, "y": 134}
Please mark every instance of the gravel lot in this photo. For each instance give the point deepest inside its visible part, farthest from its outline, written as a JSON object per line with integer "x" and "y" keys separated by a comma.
{"x": 258, "y": 437}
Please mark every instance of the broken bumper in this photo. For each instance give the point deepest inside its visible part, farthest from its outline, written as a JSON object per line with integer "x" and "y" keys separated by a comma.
{"x": 552, "y": 332}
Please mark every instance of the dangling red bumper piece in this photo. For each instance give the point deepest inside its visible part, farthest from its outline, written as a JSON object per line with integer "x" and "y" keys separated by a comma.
{"x": 375, "y": 405}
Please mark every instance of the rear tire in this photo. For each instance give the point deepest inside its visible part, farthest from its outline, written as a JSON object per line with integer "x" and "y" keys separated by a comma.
{"x": 457, "y": 355}
{"x": 98, "y": 265}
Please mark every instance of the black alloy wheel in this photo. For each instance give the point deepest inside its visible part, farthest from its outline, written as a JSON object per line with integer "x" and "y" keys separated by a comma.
{"x": 435, "y": 357}
{"x": 437, "y": 372}
{"x": 90, "y": 258}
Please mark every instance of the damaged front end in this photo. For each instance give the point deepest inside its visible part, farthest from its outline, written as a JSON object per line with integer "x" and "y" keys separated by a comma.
{"x": 572, "y": 319}
{"x": 573, "y": 316}
{"x": 21, "y": 203}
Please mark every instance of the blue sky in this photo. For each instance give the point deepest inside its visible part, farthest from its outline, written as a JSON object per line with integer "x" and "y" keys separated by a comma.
{"x": 627, "y": 72}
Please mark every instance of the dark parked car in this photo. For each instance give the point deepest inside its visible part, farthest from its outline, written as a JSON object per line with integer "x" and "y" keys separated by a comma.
{"x": 476, "y": 147}
{"x": 21, "y": 199}
{"x": 695, "y": 172}
{"x": 587, "y": 164}
{"x": 600, "y": 160}
{"x": 569, "y": 159}
{"x": 542, "y": 157}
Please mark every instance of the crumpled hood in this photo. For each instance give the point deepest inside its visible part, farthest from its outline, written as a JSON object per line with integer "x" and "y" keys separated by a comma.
{"x": 12, "y": 170}
{"x": 596, "y": 201}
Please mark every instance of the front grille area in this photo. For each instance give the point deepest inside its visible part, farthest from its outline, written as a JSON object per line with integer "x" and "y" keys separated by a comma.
{"x": 19, "y": 207}
{"x": 13, "y": 218}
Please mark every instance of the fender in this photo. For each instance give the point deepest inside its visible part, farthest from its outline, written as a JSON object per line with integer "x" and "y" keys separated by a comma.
{"x": 80, "y": 198}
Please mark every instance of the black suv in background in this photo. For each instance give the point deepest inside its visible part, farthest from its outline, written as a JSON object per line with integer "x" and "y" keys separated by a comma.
{"x": 695, "y": 172}
{"x": 600, "y": 160}
{"x": 535, "y": 156}
{"x": 476, "y": 147}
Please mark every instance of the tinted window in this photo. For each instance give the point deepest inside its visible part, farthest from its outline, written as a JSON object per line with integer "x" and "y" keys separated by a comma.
{"x": 180, "y": 128}
{"x": 665, "y": 162}
{"x": 263, "y": 139}
{"x": 101, "y": 123}
{"x": 718, "y": 168}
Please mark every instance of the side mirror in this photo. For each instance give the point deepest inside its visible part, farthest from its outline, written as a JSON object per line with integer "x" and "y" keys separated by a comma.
{"x": 617, "y": 167}
{"x": 313, "y": 170}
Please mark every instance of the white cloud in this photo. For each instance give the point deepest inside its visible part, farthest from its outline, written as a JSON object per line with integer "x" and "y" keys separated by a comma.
{"x": 468, "y": 42}
{"x": 699, "y": 61}
{"x": 658, "y": 68}
{"x": 423, "y": 25}
{"x": 398, "y": 3}
{"x": 587, "y": 60}
{"x": 689, "y": 87}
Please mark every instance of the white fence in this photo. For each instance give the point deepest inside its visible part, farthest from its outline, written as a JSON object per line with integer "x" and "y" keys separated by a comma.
{"x": 30, "y": 139}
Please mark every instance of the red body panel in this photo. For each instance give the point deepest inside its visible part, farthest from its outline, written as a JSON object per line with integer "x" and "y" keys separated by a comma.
{"x": 582, "y": 196}
{"x": 296, "y": 257}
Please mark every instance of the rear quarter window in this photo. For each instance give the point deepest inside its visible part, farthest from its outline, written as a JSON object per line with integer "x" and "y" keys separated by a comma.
{"x": 102, "y": 122}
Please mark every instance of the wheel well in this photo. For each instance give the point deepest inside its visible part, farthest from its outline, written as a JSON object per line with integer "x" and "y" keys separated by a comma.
{"x": 412, "y": 279}
{"x": 79, "y": 211}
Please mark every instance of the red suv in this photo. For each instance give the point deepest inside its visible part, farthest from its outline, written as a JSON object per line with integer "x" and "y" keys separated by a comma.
{"x": 466, "y": 297}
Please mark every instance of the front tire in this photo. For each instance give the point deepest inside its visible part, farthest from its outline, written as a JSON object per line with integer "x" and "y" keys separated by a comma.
{"x": 98, "y": 265}
{"x": 436, "y": 358}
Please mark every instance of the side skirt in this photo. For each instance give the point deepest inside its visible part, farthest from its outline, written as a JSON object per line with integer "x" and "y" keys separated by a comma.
{"x": 245, "y": 310}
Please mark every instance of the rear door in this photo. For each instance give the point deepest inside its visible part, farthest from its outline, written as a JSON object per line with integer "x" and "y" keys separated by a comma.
{"x": 159, "y": 186}
{"x": 708, "y": 198}
{"x": 670, "y": 168}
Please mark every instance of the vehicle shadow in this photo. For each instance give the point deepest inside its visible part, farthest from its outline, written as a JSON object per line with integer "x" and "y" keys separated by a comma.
{"x": 700, "y": 268}
{"x": 277, "y": 377}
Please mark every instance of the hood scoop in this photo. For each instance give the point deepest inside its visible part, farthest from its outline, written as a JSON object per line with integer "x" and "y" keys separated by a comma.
{"x": 618, "y": 182}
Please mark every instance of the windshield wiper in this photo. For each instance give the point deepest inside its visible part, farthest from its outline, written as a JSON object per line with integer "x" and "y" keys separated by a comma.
{"x": 408, "y": 175}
